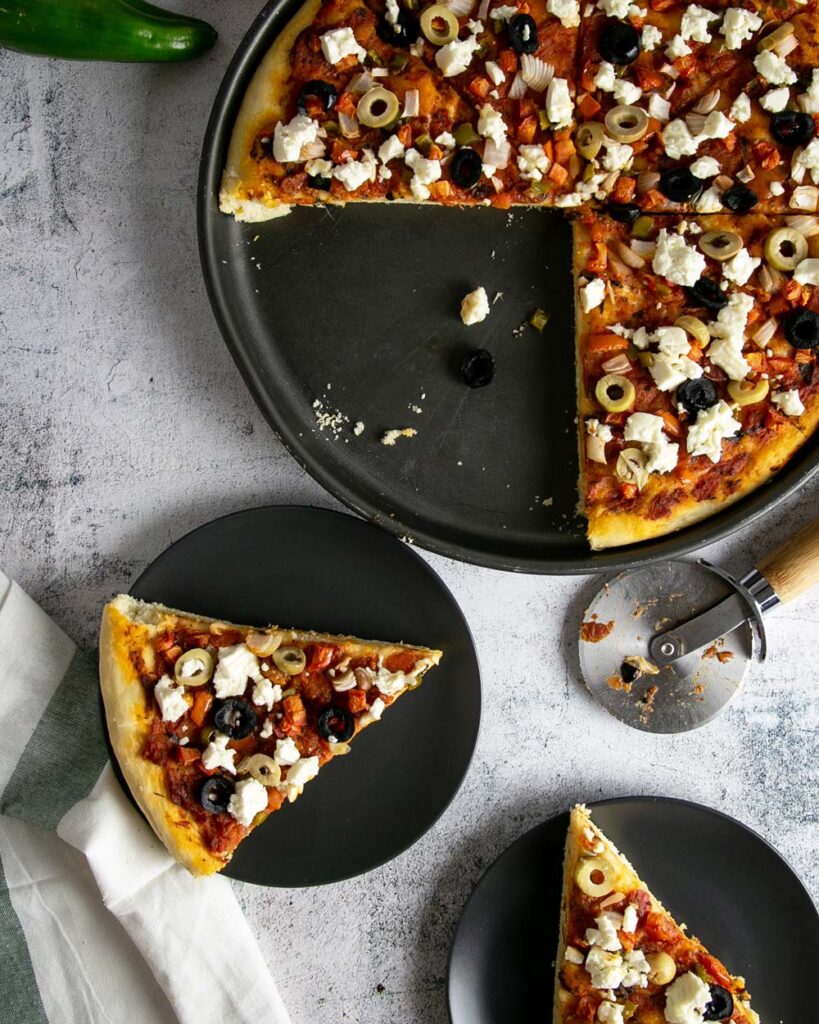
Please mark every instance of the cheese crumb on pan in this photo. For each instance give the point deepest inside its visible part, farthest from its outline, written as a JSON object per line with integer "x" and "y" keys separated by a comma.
{"x": 389, "y": 437}
{"x": 475, "y": 307}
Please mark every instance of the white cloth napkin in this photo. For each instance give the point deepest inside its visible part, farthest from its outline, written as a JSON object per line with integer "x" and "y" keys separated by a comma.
{"x": 100, "y": 925}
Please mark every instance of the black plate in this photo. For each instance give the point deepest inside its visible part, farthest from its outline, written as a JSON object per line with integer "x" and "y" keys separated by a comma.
{"x": 732, "y": 889}
{"x": 366, "y": 300}
{"x": 321, "y": 570}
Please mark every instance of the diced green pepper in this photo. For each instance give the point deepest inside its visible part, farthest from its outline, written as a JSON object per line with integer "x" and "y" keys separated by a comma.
{"x": 375, "y": 58}
{"x": 642, "y": 227}
{"x": 465, "y": 134}
{"x": 539, "y": 319}
{"x": 423, "y": 142}
{"x": 399, "y": 62}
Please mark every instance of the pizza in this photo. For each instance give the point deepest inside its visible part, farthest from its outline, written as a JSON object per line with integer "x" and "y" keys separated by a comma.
{"x": 682, "y": 141}
{"x": 215, "y": 726}
{"x": 622, "y": 958}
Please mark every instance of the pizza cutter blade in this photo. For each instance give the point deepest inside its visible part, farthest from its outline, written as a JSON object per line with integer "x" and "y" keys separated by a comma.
{"x": 665, "y": 648}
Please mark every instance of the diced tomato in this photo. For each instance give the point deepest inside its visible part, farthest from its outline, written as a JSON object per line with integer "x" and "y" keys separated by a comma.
{"x": 356, "y": 701}
{"x": 766, "y": 155}
{"x": 598, "y": 258}
{"x": 187, "y": 755}
{"x": 202, "y": 701}
{"x": 346, "y": 104}
{"x": 527, "y": 108}
{"x": 164, "y": 642}
{"x": 648, "y": 79}
{"x": 274, "y": 799}
{"x": 244, "y": 747}
{"x": 672, "y": 424}
{"x": 624, "y": 188}
{"x": 792, "y": 291}
{"x": 558, "y": 174}
{"x": 588, "y": 106}
{"x": 440, "y": 189}
{"x": 295, "y": 716}
{"x": 564, "y": 151}
{"x": 628, "y": 491}
{"x": 653, "y": 200}
{"x": 606, "y": 343}
{"x": 715, "y": 969}
{"x": 401, "y": 661}
{"x": 802, "y": 356}
{"x": 404, "y": 134}
{"x": 321, "y": 657}
{"x": 527, "y": 129}
{"x": 660, "y": 927}
{"x": 549, "y": 149}
{"x": 342, "y": 151}
{"x": 502, "y": 201}
{"x": 780, "y": 365}
{"x": 508, "y": 61}
{"x": 480, "y": 87}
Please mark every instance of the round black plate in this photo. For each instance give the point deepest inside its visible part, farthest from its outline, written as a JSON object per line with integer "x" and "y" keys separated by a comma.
{"x": 732, "y": 889}
{"x": 365, "y": 299}
{"x": 321, "y": 570}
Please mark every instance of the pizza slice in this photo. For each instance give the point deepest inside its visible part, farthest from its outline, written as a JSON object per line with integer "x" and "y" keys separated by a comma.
{"x": 622, "y": 958}
{"x": 696, "y": 359}
{"x": 446, "y": 104}
{"x": 215, "y": 726}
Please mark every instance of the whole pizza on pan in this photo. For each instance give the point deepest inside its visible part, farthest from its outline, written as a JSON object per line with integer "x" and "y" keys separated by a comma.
{"x": 681, "y": 139}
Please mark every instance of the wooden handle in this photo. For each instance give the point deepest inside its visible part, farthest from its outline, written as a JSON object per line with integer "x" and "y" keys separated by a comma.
{"x": 794, "y": 567}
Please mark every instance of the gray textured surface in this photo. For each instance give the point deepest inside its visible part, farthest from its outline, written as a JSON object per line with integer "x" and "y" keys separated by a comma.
{"x": 124, "y": 423}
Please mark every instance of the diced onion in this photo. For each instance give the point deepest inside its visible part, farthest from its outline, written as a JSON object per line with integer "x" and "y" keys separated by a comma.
{"x": 805, "y": 197}
{"x": 361, "y": 83}
{"x": 807, "y": 226}
{"x": 536, "y": 73}
{"x": 412, "y": 103}
{"x": 348, "y": 125}
{"x": 497, "y": 155}
{"x": 483, "y": 10}
{"x": 460, "y": 8}
{"x": 786, "y": 46}
{"x": 695, "y": 122}
{"x": 707, "y": 103}
{"x": 380, "y": 72}
{"x": 644, "y": 249}
{"x": 312, "y": 150}
{"x": 746, "y": 174}
{"x": 517, "y": 90}
{"x": 629, "y": 257}
{"x": 722, "y": 181}
{"x": 617, "y": 364}
{"x": 765, "y": 333}
{"x": 497, "y": 184}
{"x": 647, "y": 180}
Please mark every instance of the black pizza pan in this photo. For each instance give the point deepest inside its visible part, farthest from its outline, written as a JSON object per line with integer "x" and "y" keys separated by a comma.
{"x": 731, "y": 888}
{"x": 314, "y": 569}
{"x": 356, "y": 309}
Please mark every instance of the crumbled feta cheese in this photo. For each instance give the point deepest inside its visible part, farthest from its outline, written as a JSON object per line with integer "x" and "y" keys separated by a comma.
{"x": 373, "y": 713}
{"x": 475, "y": 307}
{"x": 658, "y": 107}
{"x": 605, "y": 77}
{"x": 808, "y": 159}
{"x": 559, "y": 106}
{"x": 191, "y": 667}
{"x": 171, "y": 699}
{"x": 717, "y": 126}
{"x": 446, "y": 140}
{"x": 712, "y": 425}
{"x": 354, "y": 173}
{"x": 305, "y": 769}
{"x": 774, "y": 68}
{"x": 286, "y": 751}
{"x": 789, "y": 402}
{"x": 266, "y": 693}
{"x": 686, "y": 997}
{"x": 637, "y": 969}
{"x": 738, "y": 26}
{"x": 648, "y": 429}
{"x": 678, "y": 47}
{"x": 494, "y": 72}
{"x": 705, "y": 167}
{"x": 678, "y": 140}
{"x": 266, "y": 730}
{"x": 671, "y": 366}
{"x": 809, "y": 100}
{"x": 339, "y": 43}
{"x": 533, "y": 162}
{"x": 677, "y": 262}
{"x": 391, "y": 149}
{"x": 568, "y": 11}
{"x": 393, "y": 10}
{"x": 807, "y": 272}
{"x": 727, "y": 354}
{"x": 618, "y": 155}
{"x": 775, "y": 100}
{"x": 610, "y": 1013}
{"x": 573, "y": 956}
{"x": 605, "y": 934}
{"x": 424, "y": 173}
{"x": 710, "y": 201}
{"x": 288, "y": 139}
{"x": 615, "y": 8}
{"x": 741, "y": 107}
{"x": 235, "y": 667}
{"x": 651, "y": 38}
{"x": 455, "y": 57}
{"x": 249, "y": 798}
{"x": 626, "y": 92}
{"x": 776, "y": 188}
{"x": 503, "y": 13}
{"x": 740, "y": 267}
{"x": 491, "y": 124}
{"x": 319, "y": 168}
{"x": 592, "y": 294}
{"x": 695, "y": 22}
{"x": 630, "y": 918}
{"x": 217, "y": 755}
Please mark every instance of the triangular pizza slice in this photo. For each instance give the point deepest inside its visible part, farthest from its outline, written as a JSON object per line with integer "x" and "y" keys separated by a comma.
{"x": 622, "y": 958}
{"x": 215, "y": 725}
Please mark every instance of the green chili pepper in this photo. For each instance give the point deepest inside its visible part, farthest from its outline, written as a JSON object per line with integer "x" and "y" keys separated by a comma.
{"x": 116, "y": 30}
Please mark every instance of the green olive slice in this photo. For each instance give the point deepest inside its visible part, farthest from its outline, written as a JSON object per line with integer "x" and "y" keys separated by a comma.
{"x": 745, "y": 393}
{"x": 194, "y": 667}
{"x": 626, "y": 124}
{"x": 262, "y": 768}
{"x": 378, "y": 107}
{"x": 290, "y": 660}
{"x": 439, "y": 24}
{"x": 720, "y": 245}
{"x": 695, "y": 327}
{"x": 615, "y": 393}
{"x": 595, "y": 877}
{"x": 785, "y": 248}
{"x": 588, "y": 139}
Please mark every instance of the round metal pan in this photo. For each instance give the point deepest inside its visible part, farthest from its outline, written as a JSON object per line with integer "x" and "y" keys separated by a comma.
{"x": 357, "y": 308}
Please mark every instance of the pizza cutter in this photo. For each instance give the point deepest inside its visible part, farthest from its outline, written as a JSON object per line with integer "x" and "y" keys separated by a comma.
{"x": 665, "y": 648}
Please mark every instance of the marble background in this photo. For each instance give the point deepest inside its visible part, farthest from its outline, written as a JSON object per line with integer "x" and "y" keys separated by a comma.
{"x": 119, "y": 407}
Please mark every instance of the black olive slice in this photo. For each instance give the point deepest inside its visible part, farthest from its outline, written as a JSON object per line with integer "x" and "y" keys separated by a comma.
{"x": 802, "y": 328}
{"x": 523, "y": 33}
{"x": 235, "y": 718}
{"x": 792, "y": 127}
{"x": 623, "y": 213}
{"x": 721, "y": 1005}
{"x": 628, "y": 672}
{"x": 740, "y": 199}
{"x": 323, "y": 91}
{"x": 707, "y": 293}
{"x": 619, "y": 43}
{"x": 679, "y": 184}
{"x": 403, "y": 33}
{"x": 335, "y": 723}
{"x": 466, "y": 168}
{"x": 478, "y": 368}
{"x": 318, "y": 181}
{"x": 215, "y": 794}
{"x": 696, "y": 395}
